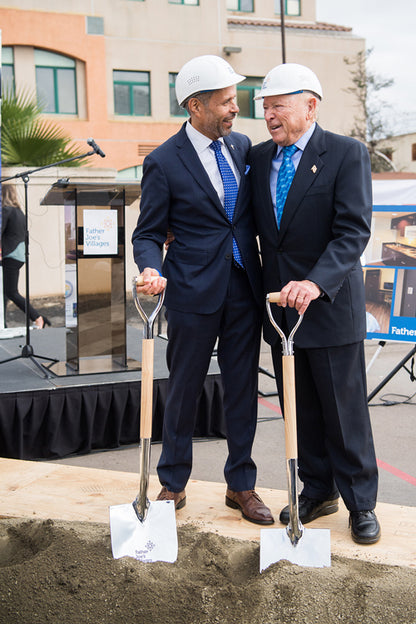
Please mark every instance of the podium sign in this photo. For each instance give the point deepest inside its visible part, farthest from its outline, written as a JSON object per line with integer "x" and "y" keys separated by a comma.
{"x": 100, "y": 232}
{"x": 95, "y": 294}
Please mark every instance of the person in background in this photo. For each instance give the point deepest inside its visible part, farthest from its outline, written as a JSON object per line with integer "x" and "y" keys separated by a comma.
{"x": 312, "y": 196}
{"x": 195, "y": 186}
{"x": 13, "y": 230}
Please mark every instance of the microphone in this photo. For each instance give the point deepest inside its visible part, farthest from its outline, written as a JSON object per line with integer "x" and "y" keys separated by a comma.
{"x": 96, "y": 148}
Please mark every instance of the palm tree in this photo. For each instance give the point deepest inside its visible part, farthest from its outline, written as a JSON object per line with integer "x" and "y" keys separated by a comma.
{"x": 29, "y": 140}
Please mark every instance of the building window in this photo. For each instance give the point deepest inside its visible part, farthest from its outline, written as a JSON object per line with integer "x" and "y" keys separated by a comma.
{"x": 7, "y": 70}
{"x": 245, "y": 93}
{"x": 292, "y": 7}
{"x": 131, "y": 173}
{"x": 131, "y": 92}
{"x": 241, "y": 5}
{"x": 55, "y": 83}
{"x": 193, "y": 2}
{"x": 174, "y": 108}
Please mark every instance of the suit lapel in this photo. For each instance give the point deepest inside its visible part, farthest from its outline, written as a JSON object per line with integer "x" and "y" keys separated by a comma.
{"x": 307, "y": 172}
{"x": 235, "y": 155}
{"x": 240, "y": 163}
{"x": 191, "y": 161}
{"x": 263, "y": 167}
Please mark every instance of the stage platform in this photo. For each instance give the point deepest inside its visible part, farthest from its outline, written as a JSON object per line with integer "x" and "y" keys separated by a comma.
{"x": 43, "y": 490}
{"x": 50, "y": 417}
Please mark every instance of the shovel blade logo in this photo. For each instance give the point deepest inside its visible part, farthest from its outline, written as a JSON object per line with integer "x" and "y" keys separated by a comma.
{"x": 142, "y": 555}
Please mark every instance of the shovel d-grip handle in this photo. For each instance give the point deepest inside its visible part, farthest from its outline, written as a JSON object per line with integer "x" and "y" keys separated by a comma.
{"x": 141, "y": 503}
{"x": 287, "y": 342}
{"x": 148, "y": 321}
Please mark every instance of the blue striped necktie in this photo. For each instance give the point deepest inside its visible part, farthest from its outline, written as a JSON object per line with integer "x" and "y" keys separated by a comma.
{"x": 284, "y": 180}
{"x": 230, "y": 192}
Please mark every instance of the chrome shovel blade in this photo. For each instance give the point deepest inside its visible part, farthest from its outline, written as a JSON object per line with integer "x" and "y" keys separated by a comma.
{"x": 154, "y": 539}
{"x": 312, "y": 550}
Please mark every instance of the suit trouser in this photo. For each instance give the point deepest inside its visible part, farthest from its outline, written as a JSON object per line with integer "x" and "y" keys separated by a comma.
{"x": 335, "y": 442}
{"x": 192, "y": 338}
{"x": 11, "y": 268}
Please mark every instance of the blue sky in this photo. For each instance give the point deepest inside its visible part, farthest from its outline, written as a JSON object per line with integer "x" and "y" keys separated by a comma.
{"x": 389, "y": 27}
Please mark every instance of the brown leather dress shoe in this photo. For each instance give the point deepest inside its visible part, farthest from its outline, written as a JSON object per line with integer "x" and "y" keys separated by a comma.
{"x": 252, "y": 507}
{"x": 178, "y": 497}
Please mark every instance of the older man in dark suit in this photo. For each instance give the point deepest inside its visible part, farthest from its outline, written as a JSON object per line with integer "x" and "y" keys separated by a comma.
{"x": 196, "y": 186}
{"x": 313, "y": 203}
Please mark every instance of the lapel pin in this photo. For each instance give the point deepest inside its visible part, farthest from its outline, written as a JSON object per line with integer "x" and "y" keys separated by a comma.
{"x": 232, "y": 146}
{"x": 314, "y": 168}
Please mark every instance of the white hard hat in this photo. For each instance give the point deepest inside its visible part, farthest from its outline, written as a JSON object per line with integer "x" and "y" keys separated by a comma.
{"x": 289, "y": 78}
{"x": 204, "y": 73}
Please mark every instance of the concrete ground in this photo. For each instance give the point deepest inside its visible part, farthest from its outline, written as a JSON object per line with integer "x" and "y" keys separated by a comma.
{"x": 393, "y": 415}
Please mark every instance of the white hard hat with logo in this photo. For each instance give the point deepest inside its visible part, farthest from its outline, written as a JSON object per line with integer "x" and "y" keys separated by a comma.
{"x": 204, "y": 73}
{"x": 289, "y": 78}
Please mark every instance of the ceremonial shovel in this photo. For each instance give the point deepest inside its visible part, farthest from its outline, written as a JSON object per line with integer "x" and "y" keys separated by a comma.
{"x": 145, "y": 530}
{"x": 305, "y": 547}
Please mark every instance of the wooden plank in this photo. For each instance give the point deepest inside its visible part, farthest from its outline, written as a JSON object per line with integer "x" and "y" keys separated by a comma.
{"x": 43, "y": 490}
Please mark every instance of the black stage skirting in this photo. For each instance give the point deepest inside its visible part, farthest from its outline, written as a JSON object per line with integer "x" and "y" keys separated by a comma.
{"x": 49, "y": 418}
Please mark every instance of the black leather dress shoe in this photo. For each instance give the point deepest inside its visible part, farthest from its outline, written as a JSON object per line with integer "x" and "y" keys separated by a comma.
{"x": 309, "y": 509}
{"x": 365, "y": 528}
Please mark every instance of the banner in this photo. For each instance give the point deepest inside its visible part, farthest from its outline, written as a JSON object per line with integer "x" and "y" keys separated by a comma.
{"x": 390, "y": 262}
{"x": 1, "y": 268}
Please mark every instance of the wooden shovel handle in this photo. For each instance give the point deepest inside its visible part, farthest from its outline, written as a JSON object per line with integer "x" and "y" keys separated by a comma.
{"x": 274, "y": 297}
{"x": 146, "y": 404}
{"x": 289, "y": 398}
{"x": 140, "y": 279}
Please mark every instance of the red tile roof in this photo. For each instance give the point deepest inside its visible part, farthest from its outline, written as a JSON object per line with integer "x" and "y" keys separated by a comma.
{"x": 240, "y": 21}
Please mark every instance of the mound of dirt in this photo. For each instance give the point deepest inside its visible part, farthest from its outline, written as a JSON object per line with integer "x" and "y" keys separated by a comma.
{"x": 64, "y": 573}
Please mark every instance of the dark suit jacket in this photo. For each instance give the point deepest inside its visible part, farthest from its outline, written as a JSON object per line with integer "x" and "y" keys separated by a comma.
{"x": 177, "y": 194}
{"x": 324, "y": 230}
{"x": 13, "y": 228}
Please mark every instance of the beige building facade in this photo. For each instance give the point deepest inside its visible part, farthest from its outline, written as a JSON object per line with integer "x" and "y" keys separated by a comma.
{"x": 106, "y": 69}
{"x": 401, "y": 149}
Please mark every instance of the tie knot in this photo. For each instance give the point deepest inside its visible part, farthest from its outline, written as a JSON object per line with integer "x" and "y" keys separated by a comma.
{"x": 289, "y": 150}
{"x": 216, "y": 146}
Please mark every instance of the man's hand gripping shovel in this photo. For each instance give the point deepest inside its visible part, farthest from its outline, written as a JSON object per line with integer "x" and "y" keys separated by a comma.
{"x": 145, "y": 530}
{"x": 305, "y": 547}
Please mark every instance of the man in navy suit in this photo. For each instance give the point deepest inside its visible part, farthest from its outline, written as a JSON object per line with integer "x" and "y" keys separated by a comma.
{"x": 212, "y": 276}
{"x": 311, "y": 254}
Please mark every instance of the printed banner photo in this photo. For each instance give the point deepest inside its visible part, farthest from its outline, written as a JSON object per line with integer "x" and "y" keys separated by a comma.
{"x": 390, "y": 265}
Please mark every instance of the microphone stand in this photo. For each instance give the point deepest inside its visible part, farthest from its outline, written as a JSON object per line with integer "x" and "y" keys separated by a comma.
{"x": 27, "y": 349}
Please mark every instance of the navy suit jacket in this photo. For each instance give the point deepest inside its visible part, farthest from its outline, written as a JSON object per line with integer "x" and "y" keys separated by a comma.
{"x": 177, "y": 194}
{"x": 323, "y": 232}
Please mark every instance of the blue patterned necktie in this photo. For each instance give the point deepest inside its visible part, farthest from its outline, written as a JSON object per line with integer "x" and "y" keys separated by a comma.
{"x": 284, "y": 180}
{"x": 230, "y": 192}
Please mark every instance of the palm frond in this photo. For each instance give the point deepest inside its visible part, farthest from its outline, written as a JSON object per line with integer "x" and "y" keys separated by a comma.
{"x": 29, "y": 140}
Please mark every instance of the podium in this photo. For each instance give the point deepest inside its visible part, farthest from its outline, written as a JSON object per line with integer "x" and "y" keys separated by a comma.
{"x": 95, "y": 275}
